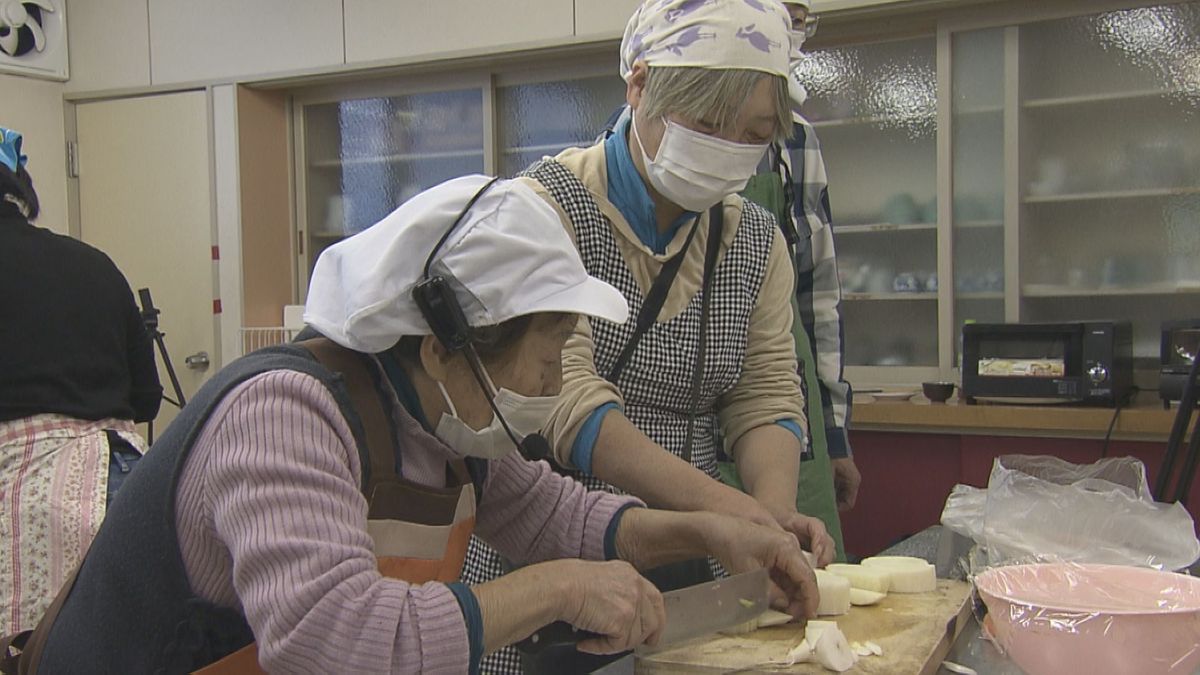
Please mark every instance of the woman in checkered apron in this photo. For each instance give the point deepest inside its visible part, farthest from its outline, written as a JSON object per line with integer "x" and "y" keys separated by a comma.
{"x": 648, "y": 412}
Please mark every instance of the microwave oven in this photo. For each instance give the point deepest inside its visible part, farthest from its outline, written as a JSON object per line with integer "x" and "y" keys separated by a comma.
{"x": 1180, "y": 345}
{"x": 1084, "y": 362}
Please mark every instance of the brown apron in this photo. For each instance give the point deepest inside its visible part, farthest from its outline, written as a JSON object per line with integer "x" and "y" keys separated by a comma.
{"x": 420, "y": 533}
{"x": 391, "y": 535}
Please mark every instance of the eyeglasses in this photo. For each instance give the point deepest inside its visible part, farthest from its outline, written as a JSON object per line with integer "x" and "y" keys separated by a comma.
{"x": 810, "y": 25}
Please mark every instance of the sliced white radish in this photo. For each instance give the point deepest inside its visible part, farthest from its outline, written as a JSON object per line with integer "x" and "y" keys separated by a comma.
{"x": 835, "y": 594}
{"x": 814, "y": 628}
{"x": 875, "y": 648}
{"x": 812, "y": 559}
{"x": 859, "y": 649}
{"x": 867, "y": 578}
{"x": 894, "y": 561}
{"x": 908, "y": 575}
{"x": 921, "y": 580}
{"x": 773, "y": 618}
{"x": 800, "y": 653}
{"x": 765, "y": 620}
{"x": 859, "y": 597}
{"x": 832, "y": 650}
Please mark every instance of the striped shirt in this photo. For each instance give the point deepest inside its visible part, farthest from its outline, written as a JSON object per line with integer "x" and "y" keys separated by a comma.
{"x": 271, "y": 521}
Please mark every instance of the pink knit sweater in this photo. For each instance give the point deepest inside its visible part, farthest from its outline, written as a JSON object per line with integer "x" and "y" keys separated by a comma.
{"x": 271, "y": 521}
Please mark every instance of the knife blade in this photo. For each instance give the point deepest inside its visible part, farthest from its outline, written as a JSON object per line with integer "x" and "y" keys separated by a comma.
{"x": 622, "y": 666}
{"x": 691, "y": 612}
{"x": 707, "y": 608}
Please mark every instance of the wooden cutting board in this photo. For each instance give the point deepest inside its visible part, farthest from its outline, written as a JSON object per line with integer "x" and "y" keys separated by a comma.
{"x": 915, "y": 631}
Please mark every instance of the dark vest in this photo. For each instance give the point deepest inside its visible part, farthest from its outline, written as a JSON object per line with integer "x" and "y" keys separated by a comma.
{"x": 132, "y": 610}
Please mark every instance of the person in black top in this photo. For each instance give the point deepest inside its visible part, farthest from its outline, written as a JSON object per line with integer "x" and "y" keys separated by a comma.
{"x": 77, "y": 370}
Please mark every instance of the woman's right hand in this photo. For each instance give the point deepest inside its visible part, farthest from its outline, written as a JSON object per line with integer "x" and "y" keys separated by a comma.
{"x": 613, "y": 600}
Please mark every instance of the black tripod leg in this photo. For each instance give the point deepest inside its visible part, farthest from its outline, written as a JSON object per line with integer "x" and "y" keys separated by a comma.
{"x": 162, "y": 349}
{"x": 1178, "y": 430}
{"x": 1189, "y": 468}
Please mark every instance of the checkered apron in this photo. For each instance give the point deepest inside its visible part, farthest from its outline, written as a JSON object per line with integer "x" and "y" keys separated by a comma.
{"x": 656, "y": 384}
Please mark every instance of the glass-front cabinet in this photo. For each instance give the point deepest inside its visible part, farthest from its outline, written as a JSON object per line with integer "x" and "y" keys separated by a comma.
{"x": 1110, "y": 168}
{"x": 874, "y": 109}
{"x": 1042, "y": 171}
{"x": 1069, "y": 151}
{"x": 544, "y": 118}
{"x": 363, "y": 157}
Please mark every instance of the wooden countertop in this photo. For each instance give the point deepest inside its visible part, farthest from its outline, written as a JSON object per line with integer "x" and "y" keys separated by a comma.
{"x": 1145, "y": 420}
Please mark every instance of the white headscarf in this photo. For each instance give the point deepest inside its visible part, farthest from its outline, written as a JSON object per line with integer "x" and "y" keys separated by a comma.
{"x": 719, "y": 34}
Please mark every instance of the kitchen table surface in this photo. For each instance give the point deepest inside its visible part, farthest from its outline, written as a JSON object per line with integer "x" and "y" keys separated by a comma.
{"x": 938, "y": 546}
{"x": 1145, "y": 420}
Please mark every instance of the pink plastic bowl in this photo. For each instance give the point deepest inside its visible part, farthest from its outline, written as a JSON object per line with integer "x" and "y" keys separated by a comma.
{"x": 1061, "y": 618}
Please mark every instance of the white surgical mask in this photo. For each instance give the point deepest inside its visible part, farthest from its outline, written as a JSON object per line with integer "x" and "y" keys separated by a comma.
{"x": 797, "y": 39}
{"x": 695, "y": 170}
{"x": 525, "y": 415}
{"x": 796, "y": 91}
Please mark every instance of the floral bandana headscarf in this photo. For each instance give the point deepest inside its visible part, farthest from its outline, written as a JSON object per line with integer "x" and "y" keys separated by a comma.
{"x": 719, "y": 34}
{"x": 10, "y": 149}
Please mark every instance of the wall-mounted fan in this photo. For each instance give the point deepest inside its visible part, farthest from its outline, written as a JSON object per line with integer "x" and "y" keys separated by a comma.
{"x": 33, "y": 38}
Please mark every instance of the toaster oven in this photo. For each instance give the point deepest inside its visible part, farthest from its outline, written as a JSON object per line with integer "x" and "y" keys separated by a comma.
{"x": 1084, "y": 362}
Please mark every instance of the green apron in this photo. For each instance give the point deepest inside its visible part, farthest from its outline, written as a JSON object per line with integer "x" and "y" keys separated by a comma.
{"x": 815, "y": 495}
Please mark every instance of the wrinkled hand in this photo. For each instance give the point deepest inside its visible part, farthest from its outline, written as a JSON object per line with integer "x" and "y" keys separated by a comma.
{"x": 846, "y": 480}
{"x": 812, "y": 535}
{"x": 741, "y": 546}
{"x": 612, "y": 599}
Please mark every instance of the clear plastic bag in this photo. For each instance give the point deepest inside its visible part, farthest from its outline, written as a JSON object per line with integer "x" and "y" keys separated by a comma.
{"x": 1053, "y": 618}
{"x": 1043, "y": 508}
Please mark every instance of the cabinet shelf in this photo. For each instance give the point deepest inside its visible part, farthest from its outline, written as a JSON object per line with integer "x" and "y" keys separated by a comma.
{"x": 980, "y": 295}
{"x": 978, "y": 110}
{"x": 1107, "y": 97}
{"x": 885, "y": 122}
{"x": 1112, "y": 194}
{"x": 882, "y": 227}
{"x": 400, "y": 158}
{"x": 856, "y": 297}
{"x": 1057, "y": 291}
{"x": 547, "y": 147}
{"x": 979, "y": 225}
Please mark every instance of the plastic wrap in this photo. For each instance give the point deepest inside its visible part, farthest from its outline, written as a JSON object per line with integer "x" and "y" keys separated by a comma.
{"x": 1043, "y": 508}
{"x": 1054, "y": 618}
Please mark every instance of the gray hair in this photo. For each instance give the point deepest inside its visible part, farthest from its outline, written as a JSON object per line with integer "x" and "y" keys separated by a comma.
{"x": 713, "y": 95}
{"x": 19, "y": 203}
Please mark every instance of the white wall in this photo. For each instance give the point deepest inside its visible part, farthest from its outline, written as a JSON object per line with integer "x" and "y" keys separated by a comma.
{"x": 215, "y": 39}
{"x": 109, "y": 44}
{"x": 35, "y": 108}
{"x": 603, "y": 18}
{"x": 389, "y": 29}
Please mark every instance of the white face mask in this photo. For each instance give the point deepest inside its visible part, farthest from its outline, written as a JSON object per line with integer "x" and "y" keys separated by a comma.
{"x": 525, "y": 415}
{"x": 695, "y": 170}
{"x": 797, "y": 91}
{"x": 797, "y": 39}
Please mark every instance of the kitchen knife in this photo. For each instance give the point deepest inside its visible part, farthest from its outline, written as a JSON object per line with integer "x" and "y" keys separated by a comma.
{"x": 622, "y": 666}
{"x": 691, "y": 612}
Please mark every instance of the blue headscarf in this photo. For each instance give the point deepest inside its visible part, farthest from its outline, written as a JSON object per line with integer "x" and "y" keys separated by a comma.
{"x": 10, "y": 149}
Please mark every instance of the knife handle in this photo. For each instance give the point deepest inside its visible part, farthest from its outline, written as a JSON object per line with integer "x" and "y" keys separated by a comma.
{"x": 559, "y": 633}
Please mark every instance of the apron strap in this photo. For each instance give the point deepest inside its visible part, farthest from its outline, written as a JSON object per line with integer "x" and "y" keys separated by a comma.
{"x": 364, "y": 396}
{"x": 32, "y": 643}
